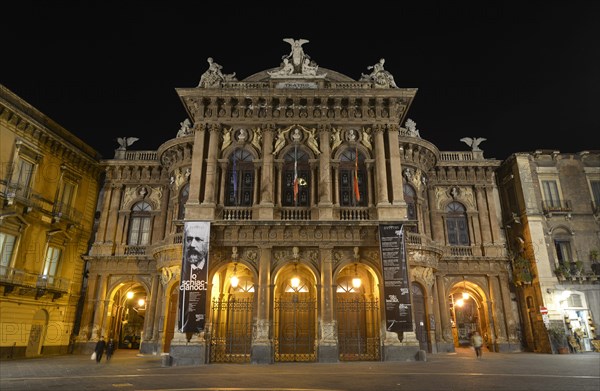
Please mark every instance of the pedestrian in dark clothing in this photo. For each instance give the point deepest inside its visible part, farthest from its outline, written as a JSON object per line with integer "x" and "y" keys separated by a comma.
{"x": 110, "y": 348}
{"x": 99, "y": 349}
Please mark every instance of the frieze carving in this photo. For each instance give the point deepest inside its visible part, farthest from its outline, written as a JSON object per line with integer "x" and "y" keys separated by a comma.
{"x": 226, "y": 135}
{"x": 424, "y": 274}
{"x": 257, "y": 138}
{"x": 137, "y": 193}
{"x": 297, "y": 134}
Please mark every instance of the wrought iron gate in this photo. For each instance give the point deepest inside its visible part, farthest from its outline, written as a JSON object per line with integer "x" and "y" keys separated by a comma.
{"x": 295, "y": 329}
{"x": 231, "y": 336}
{"x": 358, "y": 331}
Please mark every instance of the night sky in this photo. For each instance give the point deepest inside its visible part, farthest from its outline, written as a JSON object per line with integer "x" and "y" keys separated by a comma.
{"x": 525, "y": 77}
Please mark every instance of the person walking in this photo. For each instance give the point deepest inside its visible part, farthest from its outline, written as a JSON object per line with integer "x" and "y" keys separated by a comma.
{"x": 110, "y": 348}
{"x": 99, "y": 349}
{"x": 477, "y": 342}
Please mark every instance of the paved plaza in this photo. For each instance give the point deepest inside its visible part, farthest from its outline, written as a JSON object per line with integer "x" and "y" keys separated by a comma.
{"x": 457, "y": 371}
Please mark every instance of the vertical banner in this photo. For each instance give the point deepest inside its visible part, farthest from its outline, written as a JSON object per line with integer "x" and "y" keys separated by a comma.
{"x": 396, "y": 289}
{"x": 194, "y": 275}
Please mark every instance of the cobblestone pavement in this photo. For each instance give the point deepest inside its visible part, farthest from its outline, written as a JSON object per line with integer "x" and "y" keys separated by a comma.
{"x": 458, "y": 371}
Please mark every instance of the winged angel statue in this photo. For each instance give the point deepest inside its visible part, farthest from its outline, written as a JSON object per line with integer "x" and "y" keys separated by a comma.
{"x": 124, "y": 142}
{"x": 473, "y": 142}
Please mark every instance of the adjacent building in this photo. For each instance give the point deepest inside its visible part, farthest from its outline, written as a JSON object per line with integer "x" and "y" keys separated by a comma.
{"x": 49, "y": 181}
{"x": 551, "y": 217}
{"x": 299, "y": 172}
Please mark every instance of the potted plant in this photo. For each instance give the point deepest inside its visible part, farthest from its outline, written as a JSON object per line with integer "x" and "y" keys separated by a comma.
{"x": 562, "y": 272}
{"x": 558, "y": 337}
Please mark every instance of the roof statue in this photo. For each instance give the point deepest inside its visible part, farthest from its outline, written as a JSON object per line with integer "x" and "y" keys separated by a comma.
{"x": 213, "y": 77}
{"x": 411, "y": 127}
{"x": 297, "y": 54}
{"x": 296, "y": 63}
{"x": 124, "y": 142}
{"x": 378, "y": 75}
{"x": 184, "y": 130}
{"x": 473, "y": 142}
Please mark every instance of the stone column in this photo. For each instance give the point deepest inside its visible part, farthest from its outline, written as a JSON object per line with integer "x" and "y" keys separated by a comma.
{"x": 484, "y": 216}
{"x": 262, "y": 350}
{"x": 380, "y": 167}
{"x": 102, "y": 227}
{"x": 395, "y": 166}
{"x": 328, "y": 343}
{"x": 222, "y": 189}
{"x": 491, "y": 198}
{"x": 491, "y": 313}
{"x": 115, "y": 205}
{"x": 197, "y": 165}
{"x": 266, "y": 197}
{"x": 211, "y": 166}
{"x": 325, "y": 183}
{"x": 443, "y": 306}
{"x": 437, "y": 223}
{"x": 336, "y": 191}
{"x": 98, "y": 328}
{"x": 87, "y": 315}
{"x": 370, "y": 182}
{"x": 148, "y": 343}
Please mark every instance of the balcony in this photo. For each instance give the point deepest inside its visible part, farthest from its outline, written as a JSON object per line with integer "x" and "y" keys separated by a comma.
{"x": 556, "y": 206}
{"x": 23, "y": 283}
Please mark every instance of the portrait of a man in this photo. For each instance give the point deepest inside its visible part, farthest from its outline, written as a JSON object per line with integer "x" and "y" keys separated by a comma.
{"x": 194, "y": 275}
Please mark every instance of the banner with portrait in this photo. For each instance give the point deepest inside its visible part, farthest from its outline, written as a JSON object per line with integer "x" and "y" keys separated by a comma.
{"x": 396, "y": 288}
{"x": 194, "y": 277}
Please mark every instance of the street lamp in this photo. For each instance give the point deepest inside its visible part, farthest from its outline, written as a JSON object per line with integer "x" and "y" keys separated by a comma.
{"x": 234, "y": 278}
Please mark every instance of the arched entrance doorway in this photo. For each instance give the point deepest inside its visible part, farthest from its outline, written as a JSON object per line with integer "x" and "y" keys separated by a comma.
{"x": 232, "y": 311}
{"x": 37, "y": 333}
{"x": 295, "y": 314}
{"x": 128, "y": 313}
{"x": 357, "y": 313}
{"x": 467, "y": 312}
{"x": 420, "y": 313}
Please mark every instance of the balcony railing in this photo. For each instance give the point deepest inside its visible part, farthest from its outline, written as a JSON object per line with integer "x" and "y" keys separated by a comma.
{"x": 134, "y": 250}
{"x": 458, "y": 251}
{"x": 67, "y": 212}
{"x": 13, "y": 278}
{"x": 295, "y": 214}
{"x": 237, "y": 213}
{"x": 354, "y": 214}
{"x": 552, "y": 206}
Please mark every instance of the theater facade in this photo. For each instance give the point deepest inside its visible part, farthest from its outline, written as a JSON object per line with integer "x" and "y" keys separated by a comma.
{"x": 299, "y": 171}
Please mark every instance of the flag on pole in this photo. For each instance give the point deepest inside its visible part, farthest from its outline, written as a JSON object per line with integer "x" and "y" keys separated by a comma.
{"x": 296, "y": 174}
{"x": 356, "y": 189}
{"x": 234, "y": 179}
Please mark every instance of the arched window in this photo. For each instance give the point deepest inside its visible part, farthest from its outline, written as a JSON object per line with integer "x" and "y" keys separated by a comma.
{"x": 296, "y": 168}
{"x": 241, "y": 179}
{"x": 410, "y": 197}
{"x": 352, "y": 179}
{"x": 456, "y": 224}
{"x": 183, "y": 198}
{"x": 140, "y": 225}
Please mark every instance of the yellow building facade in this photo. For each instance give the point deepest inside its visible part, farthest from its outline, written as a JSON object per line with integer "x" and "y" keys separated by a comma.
{"x": 49, "y": 184}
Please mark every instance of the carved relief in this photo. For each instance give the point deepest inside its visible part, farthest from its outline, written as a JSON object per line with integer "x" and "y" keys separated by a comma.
{"x": 367, "y": 138}
{"x": 425, "y": 274}
{"x": 257, "y": 138}
{"x": 441, "y": 197}
{"x": 336, "y": 138}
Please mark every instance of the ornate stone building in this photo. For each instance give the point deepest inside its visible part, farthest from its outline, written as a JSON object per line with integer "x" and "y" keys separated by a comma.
{"x": 49, "y": 181}
{"x": 550, "y": 213}
{"x": 296, "y": 168}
